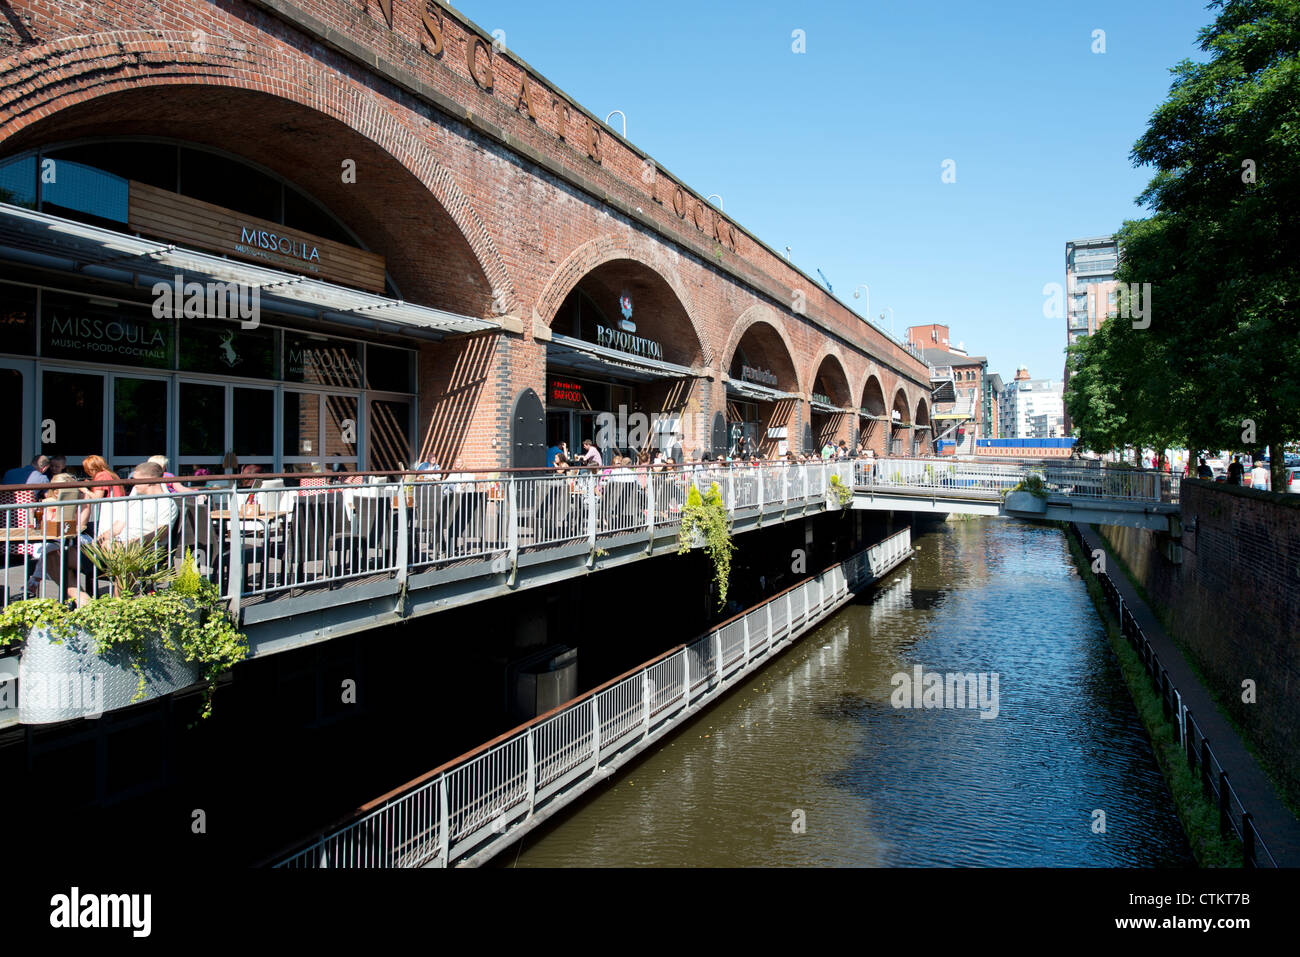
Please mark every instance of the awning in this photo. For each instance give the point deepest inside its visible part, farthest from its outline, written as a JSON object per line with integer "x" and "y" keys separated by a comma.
{"x": 583, "y": 356}
{"x": 752, "y": 390}
{"x": 827, "y": 407}
{"x": 951, "y": 415}
{"x": 51, "y": 242}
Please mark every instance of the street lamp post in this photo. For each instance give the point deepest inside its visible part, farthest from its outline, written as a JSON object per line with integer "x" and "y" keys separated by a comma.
{"x": 857, "y": 294}
{"x": 621, "y": 114}
{"x": 891, "y": 322}
{"x": 720, "y": 207}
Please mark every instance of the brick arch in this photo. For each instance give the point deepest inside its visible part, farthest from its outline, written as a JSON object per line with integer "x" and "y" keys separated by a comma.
{"x": 872, "y": 371}
{"x": 760, "y": 313}
{"x": 607, "y": 249}
{"x": 44, "y": 79}
{"x": 829, "y": 350}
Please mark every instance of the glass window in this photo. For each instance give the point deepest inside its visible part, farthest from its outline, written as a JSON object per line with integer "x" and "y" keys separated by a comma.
{"x": 139, "y": 419}
{"x": 389, "y": 370}
{"x": 321, "y": 361}
{"x": 302, "y": 213}
{"x": 389, "y": 439}
{"x": 18, "y": 182}
{"x": 77, "y": 188}
{"x": 301, "y": 433}
{"x": 254, "y": 423}
{"x": 225, "y": 347}
{"x": 17, "y": 319}
{"x": 341, "y": 426}
{"x": 229, "y": 184}
{"x": 103, "y": 331}
{"x": 203, "y": 420}
{"x": 74, "y": 404}
{"x": 149, "y": 162}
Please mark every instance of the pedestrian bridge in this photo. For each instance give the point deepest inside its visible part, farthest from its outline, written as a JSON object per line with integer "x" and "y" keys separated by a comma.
{"x": 1066, "y": 493}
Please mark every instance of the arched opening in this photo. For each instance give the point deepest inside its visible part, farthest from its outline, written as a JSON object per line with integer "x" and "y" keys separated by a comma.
{"x": 256, "y": 182}
{"x": 872, "y": 433}
{"x": 762, "y": 394}
{"x": 900, "y": 425}
{"x": 830, "y": 420}
{"x": 621, "y": 365}
{"x": 922, "y": 433}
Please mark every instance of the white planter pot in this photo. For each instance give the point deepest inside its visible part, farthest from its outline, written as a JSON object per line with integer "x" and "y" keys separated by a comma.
{"x": 1025, "y": 502}
{"x": 59, "y": 681}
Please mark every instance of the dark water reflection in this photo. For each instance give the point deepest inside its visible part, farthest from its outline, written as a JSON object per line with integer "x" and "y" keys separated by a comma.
{"x": 816, "y": 732}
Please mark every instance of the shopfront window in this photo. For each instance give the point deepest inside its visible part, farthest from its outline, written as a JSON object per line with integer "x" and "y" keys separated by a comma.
{"x": 202, "y": 422}
{"x": 389, "y": 370}
{"x": 321, "y": 361}
{"x": 389, "y": 436}
{"x": 139, "y": 420}
{"x": 17, "y": 319}
{"x": 253, "y": 424}
{"x": 227, "y": 348}
{"x": 73, "y": 405}
{"x": 98, "y": 330}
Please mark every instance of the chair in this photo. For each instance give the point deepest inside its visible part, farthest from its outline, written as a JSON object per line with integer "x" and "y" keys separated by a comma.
{"x": 314, "y": 522}
{"x": 368, "y": 539}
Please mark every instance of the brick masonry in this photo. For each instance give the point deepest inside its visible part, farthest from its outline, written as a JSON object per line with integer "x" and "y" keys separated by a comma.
{"x": 483, "y": 200}
{"x": 1234, "y": 604}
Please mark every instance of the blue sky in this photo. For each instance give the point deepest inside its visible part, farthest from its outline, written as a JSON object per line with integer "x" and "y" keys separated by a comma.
{"x": 838, "y": 152}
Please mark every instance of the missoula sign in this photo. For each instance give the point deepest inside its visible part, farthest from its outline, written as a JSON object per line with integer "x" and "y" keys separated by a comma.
{"x": 540, "y": 104}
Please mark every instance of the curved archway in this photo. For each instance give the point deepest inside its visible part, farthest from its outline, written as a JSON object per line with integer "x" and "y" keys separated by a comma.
{"x": 623, "y": 356}
{"x": 762, "y": 389}
{"x": 923, "y": 434}
{"x": 900, "y": 422}
{"x": 302, "y": 130}
{"x": 829, "y": 395}
{"x": 872, "y": 432}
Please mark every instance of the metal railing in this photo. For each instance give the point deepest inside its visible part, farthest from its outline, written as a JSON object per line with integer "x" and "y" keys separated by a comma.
{"x": 274, "y": 539}
{"x": 459, "y": 809}
{"x": 989, "y": 479}
{"x": 1234, "y": 818}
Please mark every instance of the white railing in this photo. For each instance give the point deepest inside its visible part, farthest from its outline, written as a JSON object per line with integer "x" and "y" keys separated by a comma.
{"x": 989, "y": 480}
{"x": 470, "y": 803}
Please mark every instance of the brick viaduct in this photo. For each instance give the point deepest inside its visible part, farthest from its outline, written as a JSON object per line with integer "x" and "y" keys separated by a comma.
{"x": 489, "y": 192}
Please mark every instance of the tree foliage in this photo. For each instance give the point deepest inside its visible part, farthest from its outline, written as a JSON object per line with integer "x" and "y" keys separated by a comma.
{"x": 1220, "y": 250}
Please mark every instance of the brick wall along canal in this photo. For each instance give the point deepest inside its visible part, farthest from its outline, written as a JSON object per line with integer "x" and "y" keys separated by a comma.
{"x": 816, "y": 732}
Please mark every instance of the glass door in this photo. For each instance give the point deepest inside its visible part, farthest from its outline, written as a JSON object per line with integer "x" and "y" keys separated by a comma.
{"x": 18, "y": 395}
{"x": 72, "y": 414}
{"x": 216, "y": 419}
{"x": 140, "y": 424}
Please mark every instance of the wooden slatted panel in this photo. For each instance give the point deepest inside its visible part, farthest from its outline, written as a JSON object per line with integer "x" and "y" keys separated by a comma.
{"x": 165, "y": 215}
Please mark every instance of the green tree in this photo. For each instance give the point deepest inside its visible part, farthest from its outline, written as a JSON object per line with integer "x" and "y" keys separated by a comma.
{"x": 1220, "y": 358}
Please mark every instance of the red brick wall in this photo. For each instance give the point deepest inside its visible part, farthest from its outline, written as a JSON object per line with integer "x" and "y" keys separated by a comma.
{"x": 478, "y": 207}
{"x": 1234, "y": 604}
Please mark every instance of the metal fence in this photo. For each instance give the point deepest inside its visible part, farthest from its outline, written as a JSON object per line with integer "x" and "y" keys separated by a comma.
{"x": 990, "y": 479}
{"x": 274, "y": 538}
{"x": 469, "y": 804}
{"x": 1234, "y": 818}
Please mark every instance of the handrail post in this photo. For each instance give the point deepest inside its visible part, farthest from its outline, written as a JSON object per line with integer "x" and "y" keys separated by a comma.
{"x": 686, "y": 667}
{"x": 595, "y": 731}
{"x": 731, "y": 490}
{"x": 744, "y": 627}
{"x": 235, "y": 538}
{"x": 1247, "y": 839}
{"x": 767, "y": 609}
{"x": 645, "y": 702}
{"x": 532, "y": 774}
{"x": 717, "y": 654}
{"x": 444, "y": 830}
{"x": 1224, "y": 816}
{"x": 650, "y": 511}
{"x": 591, "y": 521}
{"x": 513, "y": 517}
{"x": 403, "y": 534}
{"x": 762, "y": 480}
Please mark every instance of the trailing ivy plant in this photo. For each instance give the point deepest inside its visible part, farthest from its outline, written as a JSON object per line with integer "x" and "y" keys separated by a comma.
{"x": 1033, "y": 484}
{"x": 706, "y": 516}
{"x": 843, "y": 493}
{"x": 187, "y": 618}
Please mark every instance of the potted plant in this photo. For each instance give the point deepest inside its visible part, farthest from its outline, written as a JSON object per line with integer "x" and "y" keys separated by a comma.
{"x": 118, "y": 649}
{"x": 838, "y": 495}
{"x": 1027, "y": 495}
{"x": 705, "y": 524}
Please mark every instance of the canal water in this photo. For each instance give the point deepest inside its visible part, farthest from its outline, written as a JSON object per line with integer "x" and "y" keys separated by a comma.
{"x": 810, "y": 763}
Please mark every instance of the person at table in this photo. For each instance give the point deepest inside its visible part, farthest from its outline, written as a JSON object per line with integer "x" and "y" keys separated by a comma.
{"x": 132, "y": 519}
{"x": 162, "y": 463}
{"x": 559, "y": 448}
{"x": 96, "y": 469}
{"x": 591, "y": 455}
{"x": 37, "y": 473}
{"x": 63, "y": 524}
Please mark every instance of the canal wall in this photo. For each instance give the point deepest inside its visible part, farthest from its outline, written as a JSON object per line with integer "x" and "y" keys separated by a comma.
{"x": 1228, "y": 590}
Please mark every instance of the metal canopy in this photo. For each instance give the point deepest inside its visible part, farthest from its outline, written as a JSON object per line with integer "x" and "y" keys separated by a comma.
{"x": 827, "y": 407}
{"x": 51, "y": 242}
{"x": 583, "y": 356}
{"x": 752, "y": 390}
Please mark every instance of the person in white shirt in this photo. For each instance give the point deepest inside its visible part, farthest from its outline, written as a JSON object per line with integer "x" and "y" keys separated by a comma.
{"x": 1259, "y": 477}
